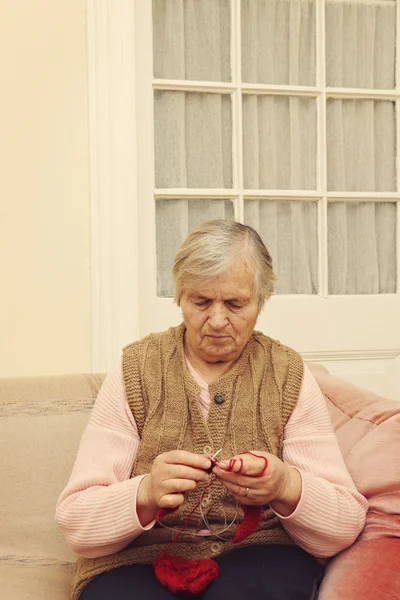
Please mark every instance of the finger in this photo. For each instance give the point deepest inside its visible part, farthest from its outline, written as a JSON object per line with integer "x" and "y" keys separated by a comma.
{"x": 239, "y": 493}
{"x": 233, "y": 465}
{"x": 182, "y": 457}
{"x": 252, "y": 464}
{"x": 184, "y": 472}
{"x": 235, "y": 478}
{"x": 172, "y": 486}
{"x": 171, "y": 500}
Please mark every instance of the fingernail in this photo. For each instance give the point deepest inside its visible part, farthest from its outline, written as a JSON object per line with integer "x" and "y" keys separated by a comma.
{"x": 223, "y": 464}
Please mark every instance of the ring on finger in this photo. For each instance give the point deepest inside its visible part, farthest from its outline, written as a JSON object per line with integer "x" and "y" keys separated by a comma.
{"x": 246, "y": 492}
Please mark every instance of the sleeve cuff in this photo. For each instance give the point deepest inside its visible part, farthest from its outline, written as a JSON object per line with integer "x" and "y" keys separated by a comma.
{"x": 138, "y": 526}
{"x": 296, "y": 514}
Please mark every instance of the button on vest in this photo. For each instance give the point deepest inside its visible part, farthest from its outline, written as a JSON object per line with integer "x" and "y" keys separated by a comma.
{"x": 219, "y": 398}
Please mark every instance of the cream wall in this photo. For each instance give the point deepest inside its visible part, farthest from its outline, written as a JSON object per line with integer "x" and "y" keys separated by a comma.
{"x": 44, "y": 189}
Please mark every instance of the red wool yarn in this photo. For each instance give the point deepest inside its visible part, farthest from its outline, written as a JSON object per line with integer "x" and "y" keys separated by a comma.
{"x": 191, "y": 577}
{"x": 182, "y": 576}
{"x": 251, "y": 520}
{"x": 251, "y": 514}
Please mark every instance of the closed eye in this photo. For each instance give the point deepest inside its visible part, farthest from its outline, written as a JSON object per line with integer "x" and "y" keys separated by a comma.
{"x": 201, "y": 303}
{"x": 234, "y": 305}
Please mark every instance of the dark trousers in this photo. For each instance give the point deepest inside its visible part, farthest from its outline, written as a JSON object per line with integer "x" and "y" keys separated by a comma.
{"x": 270, "y": 572}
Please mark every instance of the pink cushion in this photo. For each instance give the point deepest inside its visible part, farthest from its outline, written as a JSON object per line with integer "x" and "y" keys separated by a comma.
{"x": 367, "y": 427}
{"x": 368, "y": 570}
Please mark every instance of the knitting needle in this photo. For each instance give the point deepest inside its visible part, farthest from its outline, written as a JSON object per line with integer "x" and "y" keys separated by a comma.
{"x": 214, "y": 456}
{"x": 213, "y": 459}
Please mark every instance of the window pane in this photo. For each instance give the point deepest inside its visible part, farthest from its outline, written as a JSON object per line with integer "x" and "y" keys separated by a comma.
{"x": 193, "y": 140}
{"x": 360, "y": 43}
{"x": 191, "y": 39}
{"x": 362, "y": 247}
{"x": 361, "y": 142}
{"x": 289, "y": 231}
{"x": 279, "y": 142}
{"x": 174, "y": 220}
{"x": 278, "y": 42}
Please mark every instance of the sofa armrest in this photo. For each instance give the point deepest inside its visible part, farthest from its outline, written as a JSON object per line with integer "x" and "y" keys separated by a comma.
{"x": 368, "y": 570}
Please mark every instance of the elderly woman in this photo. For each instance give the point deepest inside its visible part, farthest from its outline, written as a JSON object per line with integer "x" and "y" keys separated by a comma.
{"x": 174, "y": 400}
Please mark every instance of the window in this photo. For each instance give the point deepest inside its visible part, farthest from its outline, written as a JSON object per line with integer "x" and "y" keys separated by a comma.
{"x": 252, "y": 122}
{"x": 280, "y": 114}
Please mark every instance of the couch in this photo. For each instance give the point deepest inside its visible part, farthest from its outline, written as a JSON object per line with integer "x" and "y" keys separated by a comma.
{"x": 41, "y": 422}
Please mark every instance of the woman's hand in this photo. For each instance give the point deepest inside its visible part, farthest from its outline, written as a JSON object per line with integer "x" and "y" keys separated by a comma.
{"x": 172, "y": 474}
{"x": 259, "y": 478}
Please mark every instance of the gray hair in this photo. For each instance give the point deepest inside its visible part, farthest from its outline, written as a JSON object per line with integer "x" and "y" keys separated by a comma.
{"x": 212, "y": 248}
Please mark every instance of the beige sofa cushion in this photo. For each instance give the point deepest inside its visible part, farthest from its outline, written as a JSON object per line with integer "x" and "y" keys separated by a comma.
{"x": 41, "y": 423}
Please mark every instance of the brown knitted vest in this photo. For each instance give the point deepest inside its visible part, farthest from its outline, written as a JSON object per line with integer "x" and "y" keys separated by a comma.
{"x": 259, "y": 395}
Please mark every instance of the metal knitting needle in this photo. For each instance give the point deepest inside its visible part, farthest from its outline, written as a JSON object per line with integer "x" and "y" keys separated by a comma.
{"x": 214, "y": 456}
{"x": 213, "y": 459}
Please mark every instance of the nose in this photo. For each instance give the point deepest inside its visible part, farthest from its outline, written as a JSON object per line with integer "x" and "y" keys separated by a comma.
{"x": 218, "y": 317}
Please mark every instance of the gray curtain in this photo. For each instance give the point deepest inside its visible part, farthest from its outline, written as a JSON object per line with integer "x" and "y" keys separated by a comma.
{"x": 193, "y": 134}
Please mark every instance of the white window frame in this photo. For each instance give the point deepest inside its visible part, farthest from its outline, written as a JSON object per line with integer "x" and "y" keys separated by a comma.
{"x": 113, "y": 178}
{"x": 120, "y": 91}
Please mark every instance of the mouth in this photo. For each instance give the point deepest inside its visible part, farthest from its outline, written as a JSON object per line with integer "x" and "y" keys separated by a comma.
{"x": 218, "y": 337}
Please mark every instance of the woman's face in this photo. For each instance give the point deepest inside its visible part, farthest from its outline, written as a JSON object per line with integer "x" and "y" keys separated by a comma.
{"x": 221, "y": 316}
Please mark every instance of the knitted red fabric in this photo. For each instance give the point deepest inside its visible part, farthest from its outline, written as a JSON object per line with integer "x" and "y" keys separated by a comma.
{"x": 182, "y": 576}
{"x": 251, "y": 520}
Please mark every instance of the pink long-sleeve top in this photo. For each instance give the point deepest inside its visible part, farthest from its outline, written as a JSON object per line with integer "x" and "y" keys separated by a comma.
{"x": 97, "y": 509}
